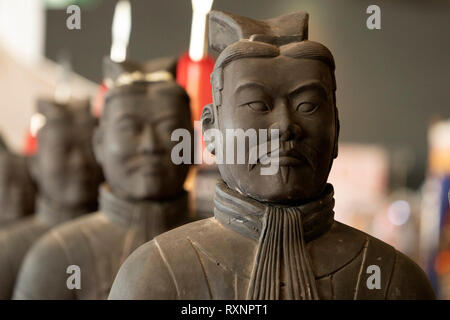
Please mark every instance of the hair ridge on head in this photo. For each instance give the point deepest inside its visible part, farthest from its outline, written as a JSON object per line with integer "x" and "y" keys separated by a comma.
{"x": 245, "y": 48}
{"x": 142, "y": 88}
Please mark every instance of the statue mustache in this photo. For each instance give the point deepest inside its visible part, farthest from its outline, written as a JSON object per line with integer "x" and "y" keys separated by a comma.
{"x": 144, "y": 160}
{"x": 292, "y": 148}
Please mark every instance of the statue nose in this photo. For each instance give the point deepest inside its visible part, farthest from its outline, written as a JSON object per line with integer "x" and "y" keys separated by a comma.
{"x": 148, "y": 141}
{"x": 288, "y": 129}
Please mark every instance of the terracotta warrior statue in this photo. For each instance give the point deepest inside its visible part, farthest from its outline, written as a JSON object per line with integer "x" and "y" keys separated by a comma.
{"x": 67, "y": 178}
{"x": 17, "y": 190}
{"x": 143, "y": 195}
{"x": 272, "y": 236}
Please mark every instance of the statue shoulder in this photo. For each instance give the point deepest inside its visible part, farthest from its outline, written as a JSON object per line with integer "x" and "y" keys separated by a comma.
{"x": 67, "y": 238}
{"x": 399, "y": 276}
{"x": 158, "y": 269}
{"x": 34, "y": 280}
{"x": 144, "y": 275}
{"x": 409, "y": 281}
{"x": 71, "y": 230}
{"x": 14, "y": 244}
{"x": 24, "y": 229}
{"x": 16, "y": 241}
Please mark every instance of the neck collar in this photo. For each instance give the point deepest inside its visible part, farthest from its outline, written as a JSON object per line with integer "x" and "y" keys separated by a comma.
{"x": 153, "y": 216}
{"x": 282, "y": 267}
{"x": 52, "y": 214}
{"x": 247, "y": 216}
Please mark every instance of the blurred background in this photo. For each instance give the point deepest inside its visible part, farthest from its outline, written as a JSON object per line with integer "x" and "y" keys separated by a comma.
{"x": 392, "y": 176}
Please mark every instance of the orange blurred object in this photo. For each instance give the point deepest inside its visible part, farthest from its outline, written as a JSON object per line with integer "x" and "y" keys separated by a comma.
{"x": 442, "y": 263}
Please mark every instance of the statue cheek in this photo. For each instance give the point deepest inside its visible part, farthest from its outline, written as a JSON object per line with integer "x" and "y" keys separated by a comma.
{"x": 120, "y": 147}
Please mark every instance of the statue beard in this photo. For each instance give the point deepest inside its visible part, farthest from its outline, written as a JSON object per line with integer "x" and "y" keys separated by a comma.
{"x": 282, "y": 249}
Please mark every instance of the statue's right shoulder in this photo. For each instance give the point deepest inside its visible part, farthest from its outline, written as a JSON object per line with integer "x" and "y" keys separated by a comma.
{"x": 165, "y": 268}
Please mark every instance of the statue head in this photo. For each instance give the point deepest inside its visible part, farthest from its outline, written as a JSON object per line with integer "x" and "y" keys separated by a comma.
{"x": 133, "y": 143}
{"x": 64, "y": 166}
{"x": 269, "y": 76}
{"x": 17, "y": 190}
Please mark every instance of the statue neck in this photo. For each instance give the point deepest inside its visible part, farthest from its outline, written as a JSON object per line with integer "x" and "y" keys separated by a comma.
{"x": 52, "y": 213}
{"x": 282, "y": 267}
{"x": 152, "y": 217}
{"x": 247, "y": 216}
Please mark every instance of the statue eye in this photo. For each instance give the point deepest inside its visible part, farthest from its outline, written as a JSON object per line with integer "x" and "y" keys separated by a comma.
{"x": 258, "y": 106}
{"x": 306, "y": 107}
{"x": 129, "y": 124}
{"x": 167, "y": 125}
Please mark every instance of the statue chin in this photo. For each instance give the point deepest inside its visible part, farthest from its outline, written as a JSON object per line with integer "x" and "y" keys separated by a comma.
{"x": 288, "y": 186}
{"x": 75, "y": 198}
{"x": 280, "y": 194}
{"x": 147, "y": 189}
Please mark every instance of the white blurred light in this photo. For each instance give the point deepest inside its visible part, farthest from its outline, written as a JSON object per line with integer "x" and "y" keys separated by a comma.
{"x": 197, "y": 45}
{"x": 121, "y": 29}
{"x": 22, "y": 29}
{"x": 399, "y": 212}
{"x": 36, "y": 123}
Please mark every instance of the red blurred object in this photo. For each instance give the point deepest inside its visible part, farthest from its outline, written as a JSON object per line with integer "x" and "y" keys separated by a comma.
{"x": 100, "y": 100}
{"x": 30, "y": 144}
{"x": 194, "y": 77}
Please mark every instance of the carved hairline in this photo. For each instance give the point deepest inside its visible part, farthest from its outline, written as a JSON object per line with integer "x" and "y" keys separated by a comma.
{"x": 253, "y": 49}
{"x": 142, "y": 87}
{"x": 256, "y": 49}
{"x": 52, "y": 112}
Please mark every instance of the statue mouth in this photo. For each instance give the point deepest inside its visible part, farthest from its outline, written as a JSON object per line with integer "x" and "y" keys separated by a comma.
{"x": 145, "y": 165}
{"x": 289, "y": 155}
{"x": 149, "y": 170}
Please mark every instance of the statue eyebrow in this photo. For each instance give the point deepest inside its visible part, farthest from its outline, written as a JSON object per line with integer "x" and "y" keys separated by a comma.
{"x": 310, "y": 85}
{"x": 250, "y": 84}
{"x": 126, "y": 115}
{"x": 166, "y": 115}
{"x": 163, "y": 117}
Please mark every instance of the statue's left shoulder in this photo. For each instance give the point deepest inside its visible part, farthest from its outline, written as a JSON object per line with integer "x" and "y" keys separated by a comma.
{"x": 408, "y": 280}
{"x": 359, "y": 266}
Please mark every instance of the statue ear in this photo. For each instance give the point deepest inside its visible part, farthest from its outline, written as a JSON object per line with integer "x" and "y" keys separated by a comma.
{"x": 97, "y": 143}
{"x": 336, "y": 136}
{"x": 207, "y": 120}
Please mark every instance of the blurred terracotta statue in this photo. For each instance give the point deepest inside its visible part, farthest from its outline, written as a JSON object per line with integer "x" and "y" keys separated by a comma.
{"x": 273, "y": 236}
{"x": 67, "y": 177}
{"x": 144, "y": 193}
{"x": 17, "y": 190}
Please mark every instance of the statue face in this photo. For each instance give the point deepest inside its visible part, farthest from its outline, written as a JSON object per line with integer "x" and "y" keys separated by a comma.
{"x": 65, "y": 167}
{"x": 294, "y": 96}
{"x": 134, "y": 144}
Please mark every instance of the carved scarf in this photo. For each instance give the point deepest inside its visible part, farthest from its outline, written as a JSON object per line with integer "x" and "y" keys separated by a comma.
{"x": 282, "y": 267}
